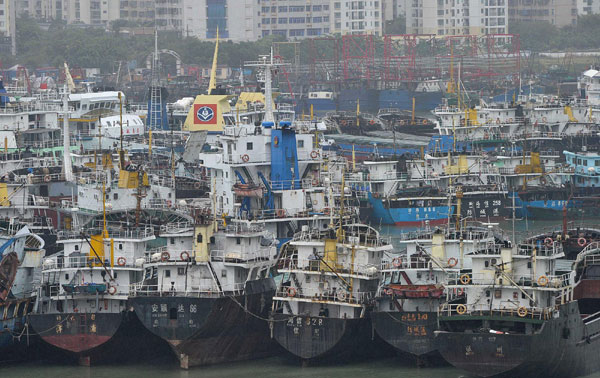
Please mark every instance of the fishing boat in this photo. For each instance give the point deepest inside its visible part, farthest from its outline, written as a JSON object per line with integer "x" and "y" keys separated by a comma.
{"x": 322, "y": 305}
{"x": 413, "y": 285}
{"x": 208, "y": 292}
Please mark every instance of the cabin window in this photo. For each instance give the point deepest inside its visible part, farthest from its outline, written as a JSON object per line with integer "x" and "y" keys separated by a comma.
{"x": 121, "y": 246}
{"x": 515, "y": 295}
{"x": 249, "y": 146}
{"x": 249, "y": 241}
{"x": 238, "y": 241}
{"x": 199, "y": 238}
{"x": 487, "y": 293}
{"x": 486, "y": 263}
{"x": 84, "y": 107}
{"x": 498, "y": 294}
{"x": 116, "y": 196}
{"x": 67, "y": 276}
{"x": 172, "y": 240}
{"x": 529, "y": 264}
{"x": 115, "y": 275}
{"x": 597, "y": 162}
{"x": 212, "y": 240}
{"x": 76, "y": 247}
{"x": 308, "y": 278}
{"x": 180, "y": 271}
{"x": 223, "y": 274}
{"x": 167, "y": 273}
{"x": 523, "y": 296}
{"x": 300, "y": 143}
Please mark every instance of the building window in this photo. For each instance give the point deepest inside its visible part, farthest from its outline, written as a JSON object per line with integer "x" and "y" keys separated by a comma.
{"x": 249, "y": 146}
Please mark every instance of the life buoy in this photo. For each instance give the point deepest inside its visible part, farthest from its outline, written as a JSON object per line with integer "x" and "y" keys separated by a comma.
{"x": 581, "y": 242}
{"x": 343, "y": 122}
{"x": 371, "y": 122}
{"x": 544, "y": 119}
{"x": 184, "y": 256}
{"x": 169, "y": 203}
{"x": 461, "y": 309}
{"x": 112, "y": 290}
{"x": 245, "y": 158}
{"x": 341, "y": 295}
{"x": 452, "y": 262}
{"x": 315, "y": 202}
{"x": 402, "y": 122}
{"x": 165, "y": 256}
{"x": 548, "y": 241}
{"x": 397, "y": 262}
{"x": 314, "y": 154}
{"x": 315, "y": 182}
{"x": 291, "y": 292}
{"x": 47, "y": 178}
{"x": 280, "y": 213}
{"x": 522, "y": 312}
{"x": 510, "y": 120}
{"x": 197, "y": 185}
{"x": 121, "y": 261}
{"x": 425, "y": 122}
{"x": 465, "y": 279}
{"x": 542, "y": 281}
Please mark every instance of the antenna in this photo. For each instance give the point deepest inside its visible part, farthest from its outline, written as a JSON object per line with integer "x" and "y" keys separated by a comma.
{"x": 267, "y": 65}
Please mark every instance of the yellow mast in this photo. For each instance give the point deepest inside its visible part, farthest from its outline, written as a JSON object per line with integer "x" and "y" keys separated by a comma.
{"x": 213, "y": 73}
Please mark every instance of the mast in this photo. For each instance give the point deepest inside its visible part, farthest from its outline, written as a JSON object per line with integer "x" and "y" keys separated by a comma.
{"x": 68, "y": 166}
{"x": 213, "y": 73}
{"x": 121, "y": 152}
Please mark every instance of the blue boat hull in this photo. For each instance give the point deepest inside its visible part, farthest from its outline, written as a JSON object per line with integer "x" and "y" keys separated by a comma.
{"x": 402, "y": 99}
{"x": 411, "y": 216}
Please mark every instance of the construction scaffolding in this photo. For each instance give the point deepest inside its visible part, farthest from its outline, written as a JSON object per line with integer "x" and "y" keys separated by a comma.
{"x": 394, "y": 61}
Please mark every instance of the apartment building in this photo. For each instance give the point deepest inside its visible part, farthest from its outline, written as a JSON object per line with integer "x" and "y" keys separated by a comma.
{"x": 587, "y": 7}
{"x": 557, "y": 12}
{"x": 456, "y": 17}
{"x": 165, "y": 14}
{"x": 236, "y": 20}
{"x": 357, "y": 17}
{"x": 295, "y": 19}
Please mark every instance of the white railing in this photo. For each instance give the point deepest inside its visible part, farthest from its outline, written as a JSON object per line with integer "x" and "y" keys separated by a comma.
{"x": 316, "y": 295}
{"x": 212, "y": 290}
{"x": 87, "y": 262}
{"x": 448, "y": 309}
{"x": 364, "y": 270}
{"x": 114, "y": 232}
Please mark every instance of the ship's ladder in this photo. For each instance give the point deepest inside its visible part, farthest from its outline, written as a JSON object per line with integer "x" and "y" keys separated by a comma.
{"x": 297, "y": 282}
{"x": 214, "y": 276}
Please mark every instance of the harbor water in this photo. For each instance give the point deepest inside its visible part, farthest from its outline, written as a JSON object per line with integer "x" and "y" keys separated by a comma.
{"x": 266, "y": 368}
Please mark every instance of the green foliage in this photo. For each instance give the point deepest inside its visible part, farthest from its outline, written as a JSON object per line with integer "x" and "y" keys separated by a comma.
{"x": 542, "y": 36}
{"x": 91, "y": 47}
{"x": 396, "y": 26}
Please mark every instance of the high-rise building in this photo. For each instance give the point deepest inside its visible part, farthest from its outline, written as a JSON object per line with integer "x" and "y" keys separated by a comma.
{"x": 294, "y": 19}
{"x": 357, "y": 17}
{"x": 456, "y": 17}
{"x": 556, "y": 12}
{"x": 237, "y": 20}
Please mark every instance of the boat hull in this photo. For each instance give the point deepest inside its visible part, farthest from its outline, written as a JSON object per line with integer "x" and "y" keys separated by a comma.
{"x": 15, "y": 341}
{"x": 412, "y": 334}
{"x": 203, "y": 331}
{"x": 321, "y": 339}
{"x": 97, "y": 337}
{"x": 563, "y": 347}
